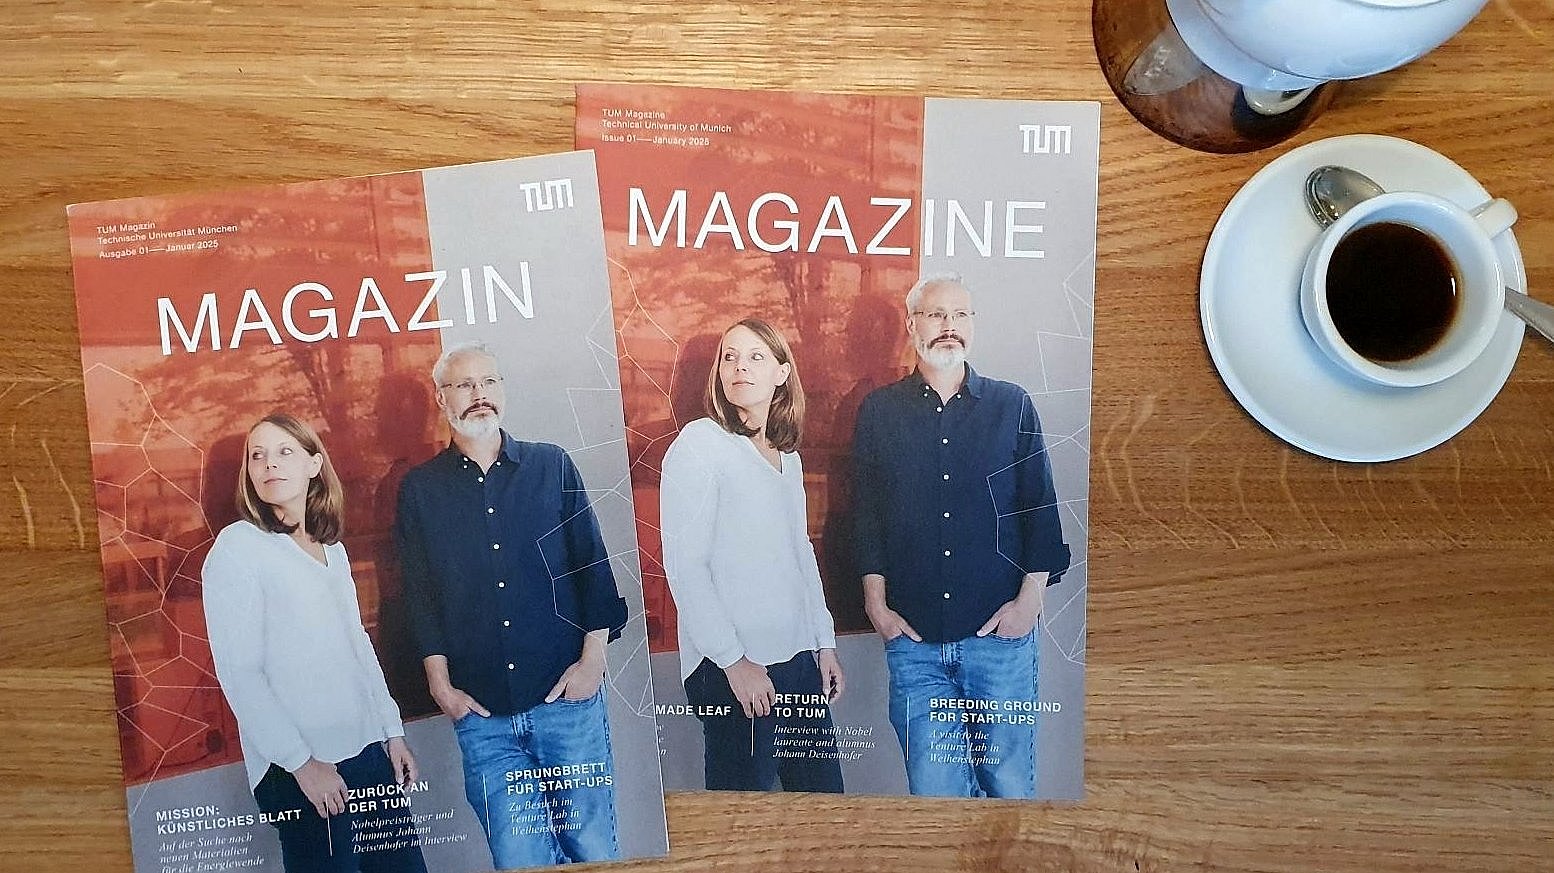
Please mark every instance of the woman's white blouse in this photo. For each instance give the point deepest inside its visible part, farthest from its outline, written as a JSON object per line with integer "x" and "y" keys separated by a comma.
{"x": 740, "y": 564}
{"x": 292, "y": 657}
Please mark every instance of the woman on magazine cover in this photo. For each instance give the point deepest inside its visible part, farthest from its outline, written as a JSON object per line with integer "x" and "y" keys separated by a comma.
{"x": 313, "y": 710}
{"x": 757, "y": 644}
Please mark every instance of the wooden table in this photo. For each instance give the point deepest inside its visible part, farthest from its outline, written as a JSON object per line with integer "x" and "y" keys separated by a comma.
{"x": 1294, "y": 664}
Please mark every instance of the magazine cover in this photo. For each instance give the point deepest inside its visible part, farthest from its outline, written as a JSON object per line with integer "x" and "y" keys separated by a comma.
{"x": 855, "y": 345}
{"x": 367, "y": 536}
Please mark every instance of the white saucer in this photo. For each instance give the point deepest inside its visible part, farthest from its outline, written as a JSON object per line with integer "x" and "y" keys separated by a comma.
{"x": 1249, "y": 297}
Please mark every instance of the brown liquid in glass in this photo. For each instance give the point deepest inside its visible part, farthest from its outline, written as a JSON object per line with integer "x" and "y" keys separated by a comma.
{"x": 1392, "y": 291}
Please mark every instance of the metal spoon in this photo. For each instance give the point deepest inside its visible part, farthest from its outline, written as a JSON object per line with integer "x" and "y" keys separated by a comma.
{"x": 1333, "y": 190}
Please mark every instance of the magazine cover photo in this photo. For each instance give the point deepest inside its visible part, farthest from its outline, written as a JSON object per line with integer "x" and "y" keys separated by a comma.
{"x": 367, "y": 534}
{"x": 855, "y": 344}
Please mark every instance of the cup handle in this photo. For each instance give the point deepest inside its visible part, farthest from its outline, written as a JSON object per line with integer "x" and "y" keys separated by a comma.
{"x": 1495, "y": 217}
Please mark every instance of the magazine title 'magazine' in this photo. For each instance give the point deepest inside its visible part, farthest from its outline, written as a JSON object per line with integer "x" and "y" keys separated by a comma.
{"x": 855, "y": 345}
{"x": 370, "y": 562}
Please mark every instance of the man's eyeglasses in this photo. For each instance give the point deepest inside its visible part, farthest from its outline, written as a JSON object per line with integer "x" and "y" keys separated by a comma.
{"x": 468, "y": 386}
{"x": 939, "y": 316}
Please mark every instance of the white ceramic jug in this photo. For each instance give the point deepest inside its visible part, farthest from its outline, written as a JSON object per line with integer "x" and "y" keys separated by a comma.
{"x": 1292, "y": 45}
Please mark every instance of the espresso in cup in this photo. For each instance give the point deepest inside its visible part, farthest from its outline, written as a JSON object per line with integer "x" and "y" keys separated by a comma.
{"x": 1391, "y": 291}
{"x": 1406, "y": 289}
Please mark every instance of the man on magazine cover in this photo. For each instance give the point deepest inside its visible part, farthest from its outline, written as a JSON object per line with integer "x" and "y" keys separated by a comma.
{"x": 958, "y": 535}
{"x": 512, "y": 601}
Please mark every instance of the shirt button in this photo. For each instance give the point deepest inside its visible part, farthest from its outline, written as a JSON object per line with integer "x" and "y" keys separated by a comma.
{"x": 946, "y": 553}
{"x": 501, "y": 584}
{"x": 946, "y": 515}
{"x": 514, "y": 666}
{"x": 945, "y": 440}
{"x": 480, "y": 478}
{"x": 507, "y": 624}
{"x": 946, "y": 595}
{"x": 938, "y": 409}
{"x": 495, "y": 546}
{"x": 490, "y": 509}
{"x": 946, "y": 477}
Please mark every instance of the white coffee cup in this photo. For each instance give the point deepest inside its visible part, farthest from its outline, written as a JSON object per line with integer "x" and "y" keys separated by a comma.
{"x": 1466, "y": 237}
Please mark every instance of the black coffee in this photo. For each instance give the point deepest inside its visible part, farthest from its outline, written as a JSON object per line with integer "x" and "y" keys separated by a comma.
{"x": 1392, "y": 291}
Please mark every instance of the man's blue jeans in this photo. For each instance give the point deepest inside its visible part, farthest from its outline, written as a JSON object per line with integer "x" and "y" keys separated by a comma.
{"x": 542, "y": 783}
{"x": 965, "y": 713}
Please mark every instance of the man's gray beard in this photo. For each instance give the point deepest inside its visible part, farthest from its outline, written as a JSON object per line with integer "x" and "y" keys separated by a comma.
{"x": 943, "y": 357}
{"x": 475, "y": 428}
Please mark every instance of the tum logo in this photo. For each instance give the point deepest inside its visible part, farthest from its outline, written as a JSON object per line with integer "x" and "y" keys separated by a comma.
{"x": 544, "y": 196}
{"x": 1046, "y": 139}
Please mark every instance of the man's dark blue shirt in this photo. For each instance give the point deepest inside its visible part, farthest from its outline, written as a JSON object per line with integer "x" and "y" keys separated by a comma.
{"x": 955, "y": 502}
{"x": 504, "y": 570}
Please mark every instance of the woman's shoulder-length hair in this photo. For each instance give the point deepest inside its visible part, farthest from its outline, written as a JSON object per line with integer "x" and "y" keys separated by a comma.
{"x": 785, "y": 419}
{"x": 325, "y": 507}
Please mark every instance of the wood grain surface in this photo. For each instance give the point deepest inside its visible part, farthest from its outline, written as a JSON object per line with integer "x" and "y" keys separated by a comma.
{"x": 1294, "y": 664}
